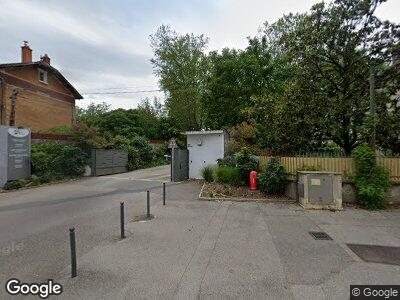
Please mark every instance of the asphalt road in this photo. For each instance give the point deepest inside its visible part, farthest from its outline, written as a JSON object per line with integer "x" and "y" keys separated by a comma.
{"x": 34, "y": 223}
{"x": 192, "y": 249}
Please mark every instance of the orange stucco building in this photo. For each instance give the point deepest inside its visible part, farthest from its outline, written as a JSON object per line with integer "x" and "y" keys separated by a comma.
{"x": 35, "y": 94}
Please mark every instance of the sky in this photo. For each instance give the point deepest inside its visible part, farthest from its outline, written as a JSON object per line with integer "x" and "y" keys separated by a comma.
{"x": 103, "y": 46}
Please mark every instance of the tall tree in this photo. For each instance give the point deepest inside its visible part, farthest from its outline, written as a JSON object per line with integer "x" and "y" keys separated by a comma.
{"x": 181, "y": 65}
{"x": 92, "y": 114}
{"x": 333, "y": 48}
{"x": 235, "y": 78}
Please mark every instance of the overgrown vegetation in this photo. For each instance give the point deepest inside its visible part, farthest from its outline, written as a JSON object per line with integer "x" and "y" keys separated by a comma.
{"x": 273, "y": 180}
{"x": 245, "y": 163}
{"x": 101, "y": 128}
{"x": 52, "y": 161}
{"x": 229, "y": 160}
{"x": 57, "y": 160}
{"x": 227, "y": 175}
{"x": 207, "y": 172}
{"x": 372, "y": 181}
{"x": 14, "y": 184}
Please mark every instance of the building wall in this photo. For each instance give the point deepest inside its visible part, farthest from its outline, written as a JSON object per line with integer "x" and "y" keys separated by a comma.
{"x": 39, "y": 106}
{"x": 211, "y": 149}
{"x": 32, "y": 75}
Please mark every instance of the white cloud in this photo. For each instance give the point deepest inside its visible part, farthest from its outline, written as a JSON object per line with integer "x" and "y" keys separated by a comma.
{"x": 42, "y": 18}
{"x": 99, "y": 44}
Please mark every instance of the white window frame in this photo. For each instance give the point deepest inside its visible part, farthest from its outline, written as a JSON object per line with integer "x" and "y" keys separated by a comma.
{"x": 44, "y": 75}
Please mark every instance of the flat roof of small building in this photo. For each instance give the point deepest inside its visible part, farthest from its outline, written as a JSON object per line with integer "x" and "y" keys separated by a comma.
{"x": 203, "y": 132}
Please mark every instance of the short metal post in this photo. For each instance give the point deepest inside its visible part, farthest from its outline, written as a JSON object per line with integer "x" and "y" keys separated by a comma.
{"x": 148, "y": 204}
{"x": 122, "y": 220}
{"x": 73, "y": 251}
{"x": 163, "y": 193}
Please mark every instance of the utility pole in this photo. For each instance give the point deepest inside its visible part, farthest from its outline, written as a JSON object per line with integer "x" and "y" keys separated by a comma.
{"x": 13, "y": 98}
{"x": 372, "y": 106}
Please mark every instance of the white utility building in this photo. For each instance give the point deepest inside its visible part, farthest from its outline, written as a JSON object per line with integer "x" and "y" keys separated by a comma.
{"x": 205, "y": 147}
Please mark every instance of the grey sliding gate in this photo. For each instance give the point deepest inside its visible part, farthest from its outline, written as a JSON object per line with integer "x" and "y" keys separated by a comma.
{"x": 106, "y": 162}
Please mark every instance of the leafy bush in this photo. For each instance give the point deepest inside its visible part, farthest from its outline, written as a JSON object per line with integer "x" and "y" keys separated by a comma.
{"x": 242, "y": 135}
{"x": 14, "y": 184}
{"x": 123, "y": 143}
{"x": 46, "y": 178}
{"x": 207, "y": 172}
{"x": 146, "y": 153}
{"x": 372, "y": 181}
{"x": 245, "y": 164}
{"x": 161, "y": 150}
{"x": 88, "y": 137}
{"x": 273, "y": 180}
{"x": 71, "y": 162}
{"x": 227, "y": 161}
{"x": 34, "y": 180}
{"x": 227, "y": 174}
{"x": 364, "y": 158}
{"x": 57, "y": 159}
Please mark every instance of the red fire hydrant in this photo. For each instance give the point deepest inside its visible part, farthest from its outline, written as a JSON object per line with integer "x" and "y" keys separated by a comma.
{"x": 253, "y": 180}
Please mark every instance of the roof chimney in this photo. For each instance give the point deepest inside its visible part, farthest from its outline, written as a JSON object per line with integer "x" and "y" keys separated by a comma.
{"x": 45, "y": 59}
{"x": 26, "y": 53}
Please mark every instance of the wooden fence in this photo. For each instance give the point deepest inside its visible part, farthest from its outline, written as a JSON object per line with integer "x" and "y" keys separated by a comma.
{"x": 345, "y": 165}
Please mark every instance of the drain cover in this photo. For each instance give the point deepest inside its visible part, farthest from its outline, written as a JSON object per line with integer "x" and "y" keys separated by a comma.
{"x": 377, "y": 254}
{"x": 142, "y": 218}
{"x": 320, "y": 235}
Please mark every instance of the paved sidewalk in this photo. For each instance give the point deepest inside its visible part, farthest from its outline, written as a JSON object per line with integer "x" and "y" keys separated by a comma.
{"x": 198, "y": 249}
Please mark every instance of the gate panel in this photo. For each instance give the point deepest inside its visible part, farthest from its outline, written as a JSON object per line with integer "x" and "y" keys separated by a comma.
{"x": 105, "y": 162}
{"x": 180, "y": 165}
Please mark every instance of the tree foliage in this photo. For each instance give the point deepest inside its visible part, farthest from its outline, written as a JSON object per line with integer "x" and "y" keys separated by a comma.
{"x": 181, "y": 65}
{"x": 331, "y": 50}
{"x": 303, "y": 82}
{"x": 273, "y": 180}
{"x": 92, "y": 114}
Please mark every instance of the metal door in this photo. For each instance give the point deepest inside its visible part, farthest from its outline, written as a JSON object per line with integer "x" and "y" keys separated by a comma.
{"x": 180, "y": 164}
{"x": 320, "y": 189}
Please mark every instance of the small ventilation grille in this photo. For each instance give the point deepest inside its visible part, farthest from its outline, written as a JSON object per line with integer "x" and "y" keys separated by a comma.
{"x": 320, "y": 235}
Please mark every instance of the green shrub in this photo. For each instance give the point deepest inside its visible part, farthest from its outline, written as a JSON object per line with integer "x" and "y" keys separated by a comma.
{"x": 207, "y": 172}
{"x": 88, "y": 137}
{"x": 273, "y": 180}
{"x": 46, "y": 178}
{"x": 227, "y": 175}
{"x": 123, "y": 143}
{"x": 34, "y": 180}
{"x": 227, "y": 161}
{"x": 71, "y": 162}
{"x": 57, "y": 159}
{"x": 14, "y": 184}
{"x": 364, "y": 158}
{"x": 245, "y": 164}
{"x": 161, "y": 150}
{"x": 133, "y": 158}
{"x": 146, "y": 153}
{"x": 372, "y": 181}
